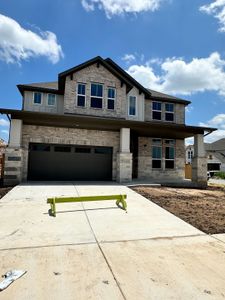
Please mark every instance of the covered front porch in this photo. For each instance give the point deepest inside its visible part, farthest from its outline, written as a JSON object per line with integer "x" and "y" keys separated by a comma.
{"x": 133, "y": 158}
{"x": 170, "y": 169}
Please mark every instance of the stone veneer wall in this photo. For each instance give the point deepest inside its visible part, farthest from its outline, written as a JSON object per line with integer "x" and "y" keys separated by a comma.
{"x": 199, "y": 171}
{"x": 145, "y": 170}
{"x": 73, "y": 136}
{"x": 179, "y": 112}
{"x": 124, "y": 167}
{"x": 13, "y": 166}
{"x": 96, "y": 75}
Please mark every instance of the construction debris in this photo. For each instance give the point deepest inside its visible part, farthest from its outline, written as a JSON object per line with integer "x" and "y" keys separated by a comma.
{"x": 10, "y": 277}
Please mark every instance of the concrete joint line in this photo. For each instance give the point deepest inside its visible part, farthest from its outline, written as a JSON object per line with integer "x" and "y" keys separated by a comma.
{"x": 216, "y": 238}
{"x": 100, "y": 248}
{"x": 47, "y": 246}
{"x": 155, "y": 238}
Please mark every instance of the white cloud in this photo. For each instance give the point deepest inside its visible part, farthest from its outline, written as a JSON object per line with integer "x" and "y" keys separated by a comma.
{"x": 189, "y": 141}
{"x": 217, "y": 122}
{"x": 128, "y": 58}
{"x": 17, "y": 43}
{"x": 216, "y": 9}
{"x": 4, "y": 122}
{"x": 189, "y": 108}
{"x": 4, "y": 131}
{"x": 176, "y": 76}
{"x": 145, "y": 75}
{"x": 4, "y": 128}
{"x": 119, "y": 7}
{"x": 4, "y": 135}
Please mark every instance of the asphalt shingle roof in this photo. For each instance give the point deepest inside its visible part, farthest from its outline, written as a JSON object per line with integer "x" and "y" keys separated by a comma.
{"x": 46, "y": 85}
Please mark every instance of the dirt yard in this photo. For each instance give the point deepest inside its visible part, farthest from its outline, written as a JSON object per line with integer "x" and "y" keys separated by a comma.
{"x": 204, "y": 209}
{"x": 4, "y": 191}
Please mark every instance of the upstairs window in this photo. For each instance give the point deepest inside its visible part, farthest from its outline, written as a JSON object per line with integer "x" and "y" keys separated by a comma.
{"x": 51, "y": 99}
{"x": 81, "y": 94}
{"x": 190, "y": 154}
{"x": 169, "y": 154}
{"x": 37, "y": 98}
{"x": 156, "y": 110}
{"x": 156, "y": 153}
{"x": 96, "y": 95}
{"x": 169, "y": 112}
{"x": 132, "y": 106}
{"x": 111, "y": 98}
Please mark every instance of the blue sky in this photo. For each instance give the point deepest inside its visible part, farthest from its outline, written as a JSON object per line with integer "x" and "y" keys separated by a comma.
{"x": 173, "y": 46}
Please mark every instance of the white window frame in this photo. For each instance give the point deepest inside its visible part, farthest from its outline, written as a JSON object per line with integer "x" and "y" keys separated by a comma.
{"x": 81, "y": 94}
{"x": 170, "y": 112}
{"x": 97, "y": 83}
{"x": 159, "y": 146}
{"x": 170, "y": 146}
{"x": 108, "y": 98}
{"x": 157, "y": 110}
{"x": 190, "y": 154}
{"x": 41, "y": 98}
{"x": 135, "y": 106}
{"x": 52, "y": 105}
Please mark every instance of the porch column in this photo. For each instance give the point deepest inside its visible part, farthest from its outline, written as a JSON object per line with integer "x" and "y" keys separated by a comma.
{"x": 124, "y": 157}
{"x": 15, "y": 135}
{"x": 199, "y": 162}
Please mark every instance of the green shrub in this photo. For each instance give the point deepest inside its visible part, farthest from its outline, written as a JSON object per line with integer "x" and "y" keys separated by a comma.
{"x": 221, "y": 175}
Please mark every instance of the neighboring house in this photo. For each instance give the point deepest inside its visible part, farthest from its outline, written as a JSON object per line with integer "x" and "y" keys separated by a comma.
{"x": 98, "y": 123}
{"x": 2, "y": 146}
{"x": 189, "y": 153}
{"x": 215, "y": 153}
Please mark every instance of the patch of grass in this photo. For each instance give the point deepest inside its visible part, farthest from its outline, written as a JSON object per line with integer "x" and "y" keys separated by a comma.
{"x": 220, "y": 175}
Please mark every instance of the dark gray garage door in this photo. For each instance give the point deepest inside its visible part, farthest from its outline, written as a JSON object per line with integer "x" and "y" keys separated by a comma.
{"x": 66, "y": 162}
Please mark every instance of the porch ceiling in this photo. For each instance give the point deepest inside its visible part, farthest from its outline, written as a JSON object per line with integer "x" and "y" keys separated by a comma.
{"x": 151, "y": 129}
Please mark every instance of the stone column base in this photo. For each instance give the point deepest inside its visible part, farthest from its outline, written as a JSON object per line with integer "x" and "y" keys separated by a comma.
{"x": 199, "y": 171}
{"x": 13, "y": 166}
{"x": 124, "y": 167}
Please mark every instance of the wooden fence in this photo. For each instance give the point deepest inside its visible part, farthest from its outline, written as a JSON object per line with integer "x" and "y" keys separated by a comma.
{"x": 2, "y": 163}
{"x": 188, "y": 171}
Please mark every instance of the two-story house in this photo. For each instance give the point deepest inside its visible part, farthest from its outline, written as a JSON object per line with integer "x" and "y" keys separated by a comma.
{"x": 98, "y": 123}
{"x": 215, "y": 153}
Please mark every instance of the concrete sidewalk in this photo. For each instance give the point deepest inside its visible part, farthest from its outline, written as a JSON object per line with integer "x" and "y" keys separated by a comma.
{"x": 97, "y": 251}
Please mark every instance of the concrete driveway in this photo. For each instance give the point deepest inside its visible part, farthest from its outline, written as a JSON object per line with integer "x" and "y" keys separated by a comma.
{"x": 217, "y": 181}
{"x": 97, "y": 251}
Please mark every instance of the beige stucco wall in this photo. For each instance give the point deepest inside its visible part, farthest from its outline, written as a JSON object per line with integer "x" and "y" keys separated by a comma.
{"x": 73, "y": 136}
{"x": 179, "y": 111}
{"x": 145, "y": 170}
{"x": 43, "y": 107}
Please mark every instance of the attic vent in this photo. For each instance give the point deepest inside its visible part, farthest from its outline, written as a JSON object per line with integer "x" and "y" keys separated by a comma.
{"x": 71, "y": 76}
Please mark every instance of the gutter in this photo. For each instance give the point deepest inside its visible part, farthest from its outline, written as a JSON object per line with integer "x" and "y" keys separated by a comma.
{"x": 210, "y": 131}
